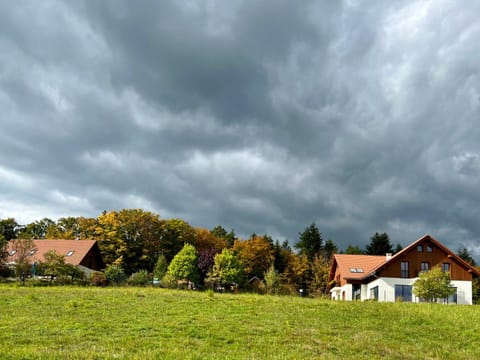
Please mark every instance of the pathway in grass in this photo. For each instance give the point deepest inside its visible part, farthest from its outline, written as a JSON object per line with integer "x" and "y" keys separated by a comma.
{"x": 140, "y": 323}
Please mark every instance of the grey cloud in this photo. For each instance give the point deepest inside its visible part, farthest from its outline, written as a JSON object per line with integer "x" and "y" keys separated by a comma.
{"x": 261, "y": 116}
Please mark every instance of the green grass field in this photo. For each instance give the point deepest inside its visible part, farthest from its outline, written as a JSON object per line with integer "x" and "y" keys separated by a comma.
{"x": 147, "y": 323}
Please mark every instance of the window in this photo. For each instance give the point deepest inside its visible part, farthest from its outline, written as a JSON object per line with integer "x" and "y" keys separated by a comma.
{"x": 403, "y": 293}
{"x": 404, "y": 269}
{"x": 424, "y": 266}
{"x": 356, "y": 270}
{"x": 70, "y": 253}
{"x": 374, "y": 293}
{"x": 31, "y": 252}
{"x": 452, "y": 299}
{"x": 13, "y": 252}
{"x": 446, "y": 267}
{"x": 429, "y": 248}
{"x": 420, "y": 248}
{"x": 356, "y": 292}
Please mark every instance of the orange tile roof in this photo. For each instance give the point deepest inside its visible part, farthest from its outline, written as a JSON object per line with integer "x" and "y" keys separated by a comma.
{"x": 366, "y": 263}
{"x": 80, "y": 249}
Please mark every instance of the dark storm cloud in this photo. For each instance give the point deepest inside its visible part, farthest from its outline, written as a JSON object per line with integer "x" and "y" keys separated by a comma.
{"x": 260, "y": 116}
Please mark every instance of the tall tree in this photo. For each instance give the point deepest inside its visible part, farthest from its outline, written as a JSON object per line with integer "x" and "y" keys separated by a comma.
{"x": 256, "y": 254}
{"x": 353, "y": 249}
{"x": 175, "y": 233}
{"x": 329, "y": 249}
{"x": 184, "y": 265}
{"x": 226, "y": 269}
{"x": 319, "y": 272}
{"x": 220, "y": 232}
{"x": 36, "y": 230}
{"x": 9, "y": 228}
{"x": 398, "y": 248}
{"x": 465, "y": 255}
{"x": 379, "y": 245}
{"x": 311, "y": 242}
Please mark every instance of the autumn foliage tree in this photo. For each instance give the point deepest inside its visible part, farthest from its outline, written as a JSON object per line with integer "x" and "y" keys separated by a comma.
{"x": 130, "y": 238}
{"x": 256, "y": 255}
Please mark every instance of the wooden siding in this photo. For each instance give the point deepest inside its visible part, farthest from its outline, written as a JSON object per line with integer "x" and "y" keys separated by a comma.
{"x": 415, "y": 258}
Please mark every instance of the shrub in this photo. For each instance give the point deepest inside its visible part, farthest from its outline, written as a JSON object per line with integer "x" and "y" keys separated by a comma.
{"x": 272, "y": 281}
{"x": 98, "y": 278}
{"x": 63, "y": 280}
{"x": 35, "y": 282}
{"x": 160, "y": 267}
{"x": 115, "y": 274}
{"x": 140, "y": 278}
{"x": 168, "y": 281}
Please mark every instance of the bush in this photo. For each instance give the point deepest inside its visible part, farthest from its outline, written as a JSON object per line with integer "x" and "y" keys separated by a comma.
{"x": 98, "y": 278}
{"x": 115, "y": 274}
{"x": 160, "y": 267}
{"x": 6, "y": 272}
{"x": 34, "y": 282}
{"x": 140, "y": 278}
{"x": 168, "y": 281}
{"x": 63, "y": 280}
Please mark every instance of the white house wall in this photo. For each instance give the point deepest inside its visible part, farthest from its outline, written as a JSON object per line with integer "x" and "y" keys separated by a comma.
{"x": 464, "y": 292}
{"x": 342, "y": 293}
{"x": 386, "y": 289}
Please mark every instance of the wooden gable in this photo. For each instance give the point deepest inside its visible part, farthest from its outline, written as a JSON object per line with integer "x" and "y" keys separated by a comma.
{"x": 431, "y": 253}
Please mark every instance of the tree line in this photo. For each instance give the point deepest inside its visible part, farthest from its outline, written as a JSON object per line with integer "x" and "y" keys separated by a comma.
{"x": 140, "y": 246}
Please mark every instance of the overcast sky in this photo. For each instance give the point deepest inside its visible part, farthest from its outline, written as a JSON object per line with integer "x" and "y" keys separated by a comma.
{"x": 261, "y": 116}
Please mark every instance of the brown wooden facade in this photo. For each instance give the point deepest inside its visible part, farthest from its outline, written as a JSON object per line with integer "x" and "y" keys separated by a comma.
{"x": 425, "y": 254}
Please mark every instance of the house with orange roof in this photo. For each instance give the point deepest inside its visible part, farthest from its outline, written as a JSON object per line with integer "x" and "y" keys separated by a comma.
{"x": 392, "y": 277}
{"x": 84, "y": 254}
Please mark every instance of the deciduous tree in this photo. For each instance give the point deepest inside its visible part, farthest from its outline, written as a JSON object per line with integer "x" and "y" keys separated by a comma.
{"x": 433, "y": 285}
{"x": 229, "y": 237}
{"x": 226, "y": 269}
{"x": 9, "y": 228}
{"x": 22, "y": 250}
{"x": 256, "y": 255}
{"x": 174, "y": 234}
{"x": 184, "y": 265}
{"x": 36, "y": 230}
{"x": 272, "y": 281}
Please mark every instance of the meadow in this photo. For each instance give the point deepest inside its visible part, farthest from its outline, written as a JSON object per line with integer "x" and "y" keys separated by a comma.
{"x": 151, "y": 323}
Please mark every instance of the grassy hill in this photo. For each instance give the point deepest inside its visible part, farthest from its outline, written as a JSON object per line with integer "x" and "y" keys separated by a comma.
{"x": 146, "y": 323}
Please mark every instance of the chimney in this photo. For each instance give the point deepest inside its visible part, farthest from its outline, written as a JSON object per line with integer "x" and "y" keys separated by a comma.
{"x": 389, "y": 256}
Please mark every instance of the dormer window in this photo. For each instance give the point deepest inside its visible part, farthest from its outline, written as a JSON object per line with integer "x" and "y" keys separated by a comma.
{"x": 70, "y": 253}
{"x": 31, "y": 252}
{"x": 13, "y": 252}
